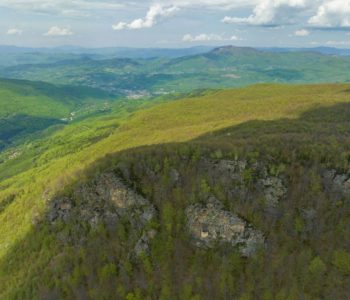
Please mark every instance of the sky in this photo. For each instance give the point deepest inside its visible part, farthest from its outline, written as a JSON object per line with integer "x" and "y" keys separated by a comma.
{"x": 175, "y": 23}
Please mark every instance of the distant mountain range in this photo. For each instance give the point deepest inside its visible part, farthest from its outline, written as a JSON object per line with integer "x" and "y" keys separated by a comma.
{"x": 110, "y": 51}
{"x": 217, "y": 68}
{"x": 128, "y": 52}
{"x": 322, "y": 50}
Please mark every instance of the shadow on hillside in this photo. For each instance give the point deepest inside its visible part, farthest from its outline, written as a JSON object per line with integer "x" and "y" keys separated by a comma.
{"x": 38, "y": 252}
{"x": 17, "y": 126}
{"x": 62, "y": 93}
{"x": 316, "y": 126}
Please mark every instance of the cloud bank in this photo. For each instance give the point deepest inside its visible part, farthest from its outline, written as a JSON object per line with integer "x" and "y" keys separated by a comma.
{"x": 332, "y": 14}
{"x": 154, "y": 14}
{"x": 302, "y": 32}
{"x": 270, "y": 12}
{"x": 14, "y": 31}
{"x": 59, "y": 31}
{"x": 208, "y": 38}
{"x": 72, "y": 8}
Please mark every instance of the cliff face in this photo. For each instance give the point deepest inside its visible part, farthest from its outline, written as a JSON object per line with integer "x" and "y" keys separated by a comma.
{"x": 107, "y": 201}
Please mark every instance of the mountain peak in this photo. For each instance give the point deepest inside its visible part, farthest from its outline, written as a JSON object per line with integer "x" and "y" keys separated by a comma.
{"x": 225, "y": 50}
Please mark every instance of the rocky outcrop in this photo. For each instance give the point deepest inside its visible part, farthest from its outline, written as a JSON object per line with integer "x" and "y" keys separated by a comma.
{"x": 274, "y": 190}
{"x": 142, "y": 245}
{"x": 108, "y": 201}
{"x": 238, "y": 172}
{"x": 232, "y": 169}
{"x": 209, "y": 224}
{"x": 339, "y": 183}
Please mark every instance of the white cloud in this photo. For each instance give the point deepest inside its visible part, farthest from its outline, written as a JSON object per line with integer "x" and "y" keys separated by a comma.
{"x": 154, "y": 14}
{"x": 332, "y": 14}
{"x": 338, "y": 43}
{"x": 271, "y": 12}
{"x": 215, "y": 4}
{"x": 59, "y": 31}
{"x": 302, "y": 32}
{"x": 14, "y": 31}
{"x": 62, "y": 7}
{"x": 208, "y": 38}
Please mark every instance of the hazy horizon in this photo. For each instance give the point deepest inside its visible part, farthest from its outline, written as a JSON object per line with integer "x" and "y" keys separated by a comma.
{"x": 175, "y": 23}
{"x": 174, "y": 48}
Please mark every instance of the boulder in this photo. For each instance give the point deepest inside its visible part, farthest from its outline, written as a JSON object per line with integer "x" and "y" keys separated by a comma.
{"x": 210, "y": 224}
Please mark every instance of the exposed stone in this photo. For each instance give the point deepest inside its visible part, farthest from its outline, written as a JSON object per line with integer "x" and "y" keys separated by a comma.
{"x": 142, "y": 246}
{"x": 60, "y": 209}
{"x": 106, "y": 200}
{"x": 210, "y": 224}
{"x": 232, "y": 172}
{"x": 339, "y": 183}
{"x": 174, "y": 175}
{"x": 148, "y": 214}
{"x": 274, "y": 190}
{"x": 310, "y": 216}
{"x": 229, "y": 168}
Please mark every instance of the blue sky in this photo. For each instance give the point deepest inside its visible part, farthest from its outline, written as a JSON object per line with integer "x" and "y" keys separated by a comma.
{"x": 181, "y": 23}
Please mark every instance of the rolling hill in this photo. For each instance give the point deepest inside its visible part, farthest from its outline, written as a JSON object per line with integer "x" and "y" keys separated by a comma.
{"x": 222, "y": 67}
{"x": 118, "y": 198}
{"x": 28, "y": 107}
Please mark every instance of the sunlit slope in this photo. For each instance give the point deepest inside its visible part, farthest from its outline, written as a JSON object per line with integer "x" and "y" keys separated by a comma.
{"x": 23, "y": 196}
{"x": 188, "y": 118}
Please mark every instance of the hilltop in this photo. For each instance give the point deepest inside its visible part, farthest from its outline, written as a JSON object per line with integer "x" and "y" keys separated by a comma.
{"x": 192, "y": 199}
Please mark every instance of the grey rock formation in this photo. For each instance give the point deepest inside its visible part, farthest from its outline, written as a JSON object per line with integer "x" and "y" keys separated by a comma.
{"x": 174, "y": 175}
{"x": 337, "y": 182}
{"x": 210, "y": 224}
{"x": 142, "y": 246}
{"x": 274, "y": 190}
{"x": 106, "y": 200}
{"x": 229, "y": 168}
{"x": 60, "y": 209}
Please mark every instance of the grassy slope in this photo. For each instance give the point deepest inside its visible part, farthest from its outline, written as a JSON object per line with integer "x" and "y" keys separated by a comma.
{"x": 178, "y": 121}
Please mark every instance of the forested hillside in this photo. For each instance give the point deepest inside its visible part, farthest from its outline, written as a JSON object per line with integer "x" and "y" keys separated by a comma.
{"x": 29, "y": 107}
{"x": 235, "y": 194}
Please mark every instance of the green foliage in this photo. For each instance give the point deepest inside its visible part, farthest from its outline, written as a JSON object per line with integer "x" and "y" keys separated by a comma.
{"x": 31, "y": 107}
{"x": 341, "y": 260}
{"x": 107, "y": 271}
{"x": 317, "y": 267}
{"x": 296, "y": 132}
